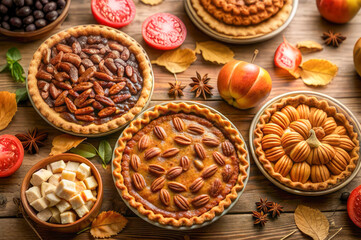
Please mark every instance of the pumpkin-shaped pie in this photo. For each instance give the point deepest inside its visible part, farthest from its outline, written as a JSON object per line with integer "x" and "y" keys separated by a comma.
{"x": 306, "y": 144}
{"x": 180, "y": 164}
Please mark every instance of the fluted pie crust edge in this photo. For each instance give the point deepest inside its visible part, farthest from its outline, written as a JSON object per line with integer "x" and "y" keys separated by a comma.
{"x": 158, "y": 111}
{"x": 331, "y": 111}
{"x": 110, "y": 33}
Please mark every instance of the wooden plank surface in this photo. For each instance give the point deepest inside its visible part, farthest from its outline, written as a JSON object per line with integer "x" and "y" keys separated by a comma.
{"x": 237, "y": 224}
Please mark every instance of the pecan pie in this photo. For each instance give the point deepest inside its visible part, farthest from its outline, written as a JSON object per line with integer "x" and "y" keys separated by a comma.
{"x": 180, "y": 164}
{"x": 306, "y": 144}
{"x": 89, "y": 79}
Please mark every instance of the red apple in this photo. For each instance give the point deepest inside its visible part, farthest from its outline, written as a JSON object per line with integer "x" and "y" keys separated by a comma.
{"x": 338, "y": 11}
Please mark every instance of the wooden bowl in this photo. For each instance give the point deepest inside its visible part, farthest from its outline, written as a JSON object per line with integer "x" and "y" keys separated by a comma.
{"x": 80, "y": 223}
{"x": 40, "y": 33}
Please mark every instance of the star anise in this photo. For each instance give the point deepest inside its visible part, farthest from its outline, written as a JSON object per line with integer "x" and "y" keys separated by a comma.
{"x": 333, "y": 39}
{"x": 275, "y": 209}
{"x": 201, "y": 86}
{"x": 260, "y": 218}
{"x": 263, "y": 205}
{"x": 32, "y": 140}
{"x": 176, "y": 89}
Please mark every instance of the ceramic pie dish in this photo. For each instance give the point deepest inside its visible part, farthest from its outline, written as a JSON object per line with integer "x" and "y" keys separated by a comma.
{"x": 306, "y": 143}
{"x": 90, "y": 80}
{"x": 180, "y": 165}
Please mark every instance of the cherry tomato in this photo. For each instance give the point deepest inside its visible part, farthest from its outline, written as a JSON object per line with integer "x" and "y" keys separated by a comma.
{"x": 288, "y": 57}
{"x": 113, "y": 13}
{"x": 354, "y": 206}
{"x": 164, "y": 31}
{"x": 11, "y": 155}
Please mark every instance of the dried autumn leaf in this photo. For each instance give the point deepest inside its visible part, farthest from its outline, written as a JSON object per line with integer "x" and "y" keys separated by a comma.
{"x": 311, "y": 222}
{"x": 214, "y": 52}
{"x": 318, "y": 72}
{"x": 8, "y": 108}
{"x": 176, "y": 61}
{"x": 309, "y": 46}
{"x": 151, "y": 2}
{"x": 107, "y": 224}
{"x": 63, "y": 143}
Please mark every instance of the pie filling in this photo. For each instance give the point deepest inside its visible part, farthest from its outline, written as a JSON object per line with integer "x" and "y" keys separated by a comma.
{"x": 89, "y": 79}
{"x": 180, "y": 165}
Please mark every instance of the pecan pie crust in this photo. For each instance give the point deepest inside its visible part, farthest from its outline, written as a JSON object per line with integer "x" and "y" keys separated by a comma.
{"x": 54, "y": 117}
{"x": 180, "y": 164}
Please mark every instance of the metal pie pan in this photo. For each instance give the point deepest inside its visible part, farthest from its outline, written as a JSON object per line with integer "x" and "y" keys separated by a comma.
{"x": 340, "y": 108}
{"x": 195, "y": 226}
{"x": 232, "y": 39}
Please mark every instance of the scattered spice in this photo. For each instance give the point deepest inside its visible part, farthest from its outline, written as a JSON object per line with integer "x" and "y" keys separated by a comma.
{"x": 176, "y": 89}
{"x": 263, "y": 205}
{"x": 333, "y": 39}
{"x": 200, "y": 85}
{"x": 275, "y": 209}
{"x": 32, "y": 140}
{"x": 260, "y": 218}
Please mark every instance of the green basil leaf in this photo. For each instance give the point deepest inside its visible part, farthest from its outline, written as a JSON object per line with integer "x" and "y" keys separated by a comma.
{"x": 105, "y": 151}
{"x": 85, "y": 150}
{"x": 4, "y": 67}
{"x": 13, "y": 54}
{"x": 21, "y": 94}
{"x": 17, "y": 72}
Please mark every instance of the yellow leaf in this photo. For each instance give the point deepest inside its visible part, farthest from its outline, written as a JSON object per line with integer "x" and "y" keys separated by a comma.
{"x": 318, "y": 72}
{"x": 107, "y": 224}
{"x": 214, "y": 52}
{"x": 64, "y": 142}
{"x": 311, "y": 222}
{"x": 309, "y": 46}
{"x": 8, "y": 108}
{"x": 151, "y": 2}
{"x": 176, "y": 61}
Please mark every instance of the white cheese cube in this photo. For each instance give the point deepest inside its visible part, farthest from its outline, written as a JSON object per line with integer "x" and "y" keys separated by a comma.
{"x": 33, "y": 194}
{"x": 55, "y": 179}
{"x": 95, "y": 193}
{"x": 67, "y": 217}
{"x": 83, "y": 171}
{"x": 53, "y": 199}
{"x": 76, "y": 201}
{"x": 55, "y": 215}
{"x": 44, "y": 215}
{"x": 40, "y": 204}
{"x": 58, "y": 166}
{"x": 81, "y": 211}
{"x": 65, "y": 189}
{"x": 40, "y": 176}
{"x": 87, "y": 195}
{"x": 63, "y": 206}
{"x": 68, "y": 175}
{"x": 89, "y": 204}
{"x": 91, "y": 183}
{"x": 46, "y": 188}
{"x": 80, "y": 186}
{"x": 72, "y": 166}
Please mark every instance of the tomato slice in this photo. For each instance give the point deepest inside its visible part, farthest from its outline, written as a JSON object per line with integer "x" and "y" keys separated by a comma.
{"x": 164, "y": 31}
{"x": 288, "y": 57}
{"x": 113, "y": 13}
{"x": 354, "y": 206}
{"x": 11, "y": 155}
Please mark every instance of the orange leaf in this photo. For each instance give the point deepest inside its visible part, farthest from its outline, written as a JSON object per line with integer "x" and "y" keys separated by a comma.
{"x": 108, "y": 224}
{"x": 63, "y": 143}
{"x": 8, "y": 108}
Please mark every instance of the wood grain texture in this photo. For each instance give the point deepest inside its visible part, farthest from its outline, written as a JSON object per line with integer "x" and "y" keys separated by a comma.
{"x": 238, "y": 224}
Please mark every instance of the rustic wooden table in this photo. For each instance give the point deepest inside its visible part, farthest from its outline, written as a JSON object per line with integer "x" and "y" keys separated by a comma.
{"x": 238, "y": 223}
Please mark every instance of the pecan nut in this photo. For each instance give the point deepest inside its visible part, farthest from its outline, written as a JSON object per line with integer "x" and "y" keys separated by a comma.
{"x": 218, "y": 158}
{"x": 72, "y": 58}
{"x": 70, "y": 105}
{"x": 104, "y": 100}
{"x": 201, "y": 152}
{"x": 106, "y": 112}
{"x": 182, "y": 140}
{"x": 144, "y": 142}
{"x": 135, "y": 162}
{"x": 227, "y": 173}
{"x": 178, "y": 124}
{"x": 138, "y": 181}
{"x": 170, "y": 152}
{"x": 227, "y": 148}
{"x": 85, "y": 118}
{"x": 185, "y": 163}
{"x": 116, "y": 88}
{"x": 157, "y": 184}
{"x": 83, "y": 86}
{"x": 198, "y": 164}
{"x": 174, "y": 172}
{"x": 215, "y": 188}
{"x": 60, "y": 100}
{"x": 210, "y": 142}
{"x": 164, "y": 197}
{"x": 195, "y": 129}
{"x": 156, "y": 169}
{"x": 209, "y": 171}
{"x": 177, "y": 187}
{"x": 120, "y": 98}
{"x": 152, "y": 152}
{"x": 200, "y": 200}
{"x": 196, "y": 185}
{"x": 84, "y": 111}
{"x": 160, "y": 132}
{"x": 181, "y": 202}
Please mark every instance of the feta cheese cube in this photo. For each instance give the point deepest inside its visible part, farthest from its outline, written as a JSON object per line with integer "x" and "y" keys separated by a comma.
{"x": 83, "y": 171}
{"x": 44, "y": 215}
{"x": 87, "y": 195}
{"x": 53, "y": 199}
{"x": 67, "y": 217}
{"x": 80, "y": 186}
{"x": 58, "y": 166}
{"x": 89, "y": 205}
{"x": 63, "y": 206}
{"x": 55, "y": 215}
{"x": 40, "y": 204}
{"x": 72, "y": 166}
{"x": 46, "y": 188}
{"x": 40, "y": 176}
{"x": 91, "y": 183}
{"x": 33, "y": 194}
{"x": 65, "y": 189}
{"x": 68, "y": 175}
{"x": 76, "y": 201}
{"x": 81, "y": 211}
{"x": 55, "y": 179}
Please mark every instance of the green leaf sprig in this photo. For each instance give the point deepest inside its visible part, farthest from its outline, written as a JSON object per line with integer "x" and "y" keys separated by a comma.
{"x": 21, "y": 94}
{"x": 13, "y": 57}
{"x": 87, "y": 150}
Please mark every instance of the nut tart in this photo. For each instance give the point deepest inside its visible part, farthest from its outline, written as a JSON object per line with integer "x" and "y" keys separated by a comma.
{"x": 90, "y": 79}
{"x": 305, "y": 144}
{"x": 180, "y": 164}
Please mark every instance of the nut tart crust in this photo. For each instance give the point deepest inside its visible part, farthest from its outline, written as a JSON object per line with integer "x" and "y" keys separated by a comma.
{"x": 305, "y": 144}
{"x": 180, "y": 164}
{"x": 85, "y": 126}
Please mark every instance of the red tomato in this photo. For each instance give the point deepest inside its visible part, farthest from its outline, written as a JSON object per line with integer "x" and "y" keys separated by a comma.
{"x": 354, "y": 206}
{"x": 11, "y": 155}
{"x": 287, "y": 56}
{"x": 164, "y": 31}
{"x": 113, "y": 13}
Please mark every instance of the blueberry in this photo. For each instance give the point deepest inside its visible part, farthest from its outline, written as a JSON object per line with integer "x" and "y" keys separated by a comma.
{"x": 344, "y": 196}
